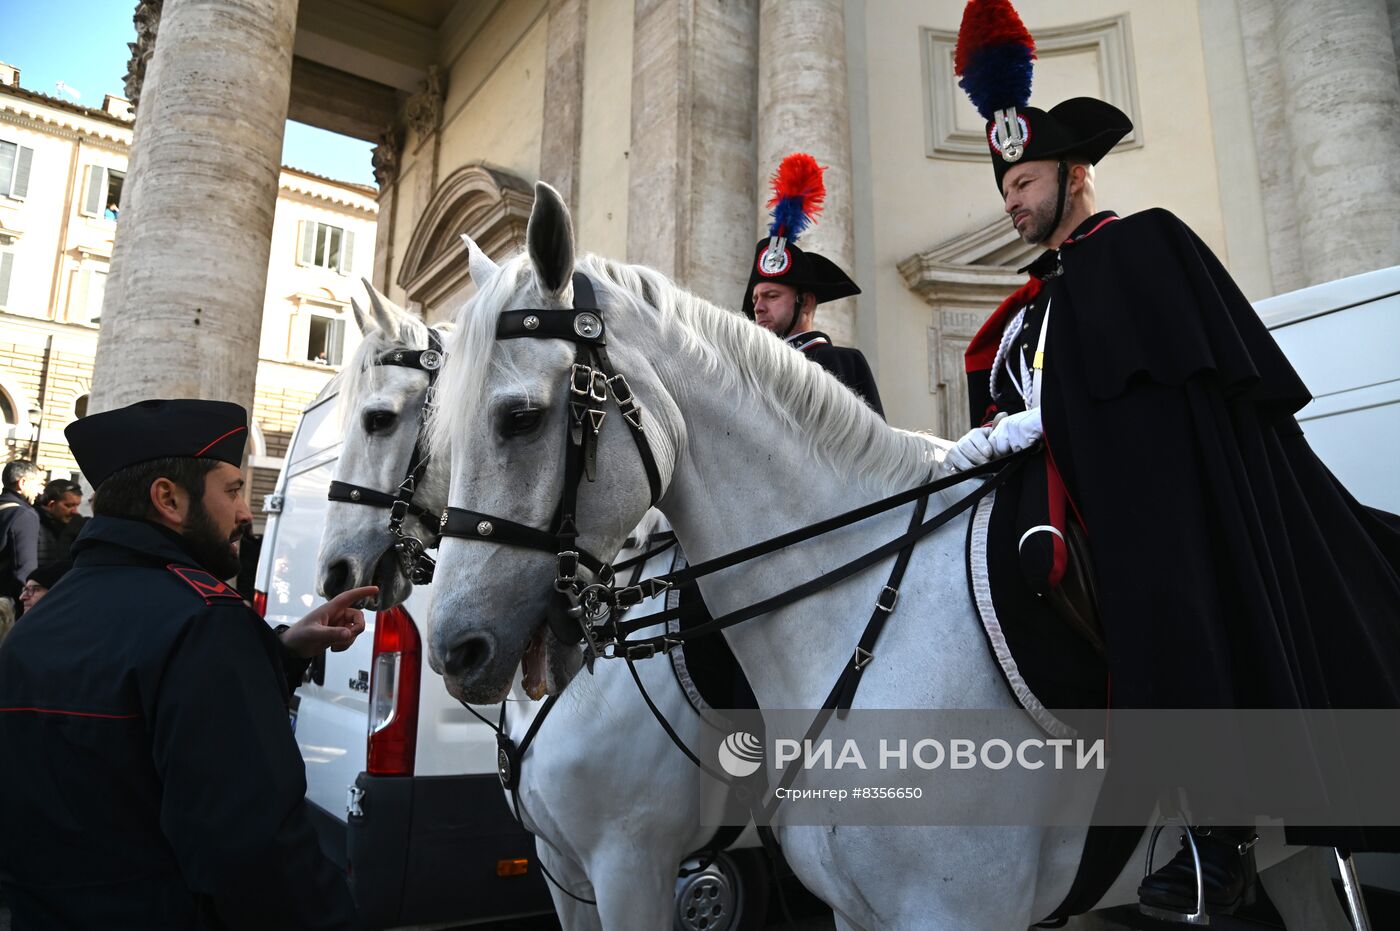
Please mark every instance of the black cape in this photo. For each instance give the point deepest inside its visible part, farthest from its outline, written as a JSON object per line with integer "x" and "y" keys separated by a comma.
{"x": 848, "y": 365}
{"x": 149, "y": 777}
{"x": 1233, "y": 569}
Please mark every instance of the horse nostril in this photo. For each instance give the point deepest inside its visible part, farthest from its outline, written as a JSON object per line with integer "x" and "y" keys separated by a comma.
{"x": 466, "y": 657}
{"x": 337, "y": 578}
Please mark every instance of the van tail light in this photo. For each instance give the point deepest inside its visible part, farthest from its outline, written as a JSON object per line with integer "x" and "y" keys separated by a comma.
{"x": 395, "y": 674}
{"x": 260, "y": 603}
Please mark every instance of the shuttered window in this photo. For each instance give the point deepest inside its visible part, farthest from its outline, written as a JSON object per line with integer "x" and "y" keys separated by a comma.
{"x": 96, "y": 189}
{"x": 7, "y": 265}
{"x": 325, "y": 246}
{"x": 96, "y": 291}
{"x": 15, "y": 163}
{"x": 325, "y": 339}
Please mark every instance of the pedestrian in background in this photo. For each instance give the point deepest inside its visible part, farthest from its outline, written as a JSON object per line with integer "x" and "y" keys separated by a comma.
{"x": 19, "y": 525}
{"x": 37, "y": 585}
{"x": 59, "y": 520}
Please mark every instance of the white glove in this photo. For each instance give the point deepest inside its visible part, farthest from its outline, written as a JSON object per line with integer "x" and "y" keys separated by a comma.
{"x": 974, "y": 449}
{"x": 1016, "y": 433}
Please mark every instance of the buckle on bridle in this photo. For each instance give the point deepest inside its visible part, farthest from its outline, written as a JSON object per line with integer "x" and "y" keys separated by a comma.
{"x": 889, "y": 597}
{"x": 398, "y": 511}
{"x": 567, "y": 573}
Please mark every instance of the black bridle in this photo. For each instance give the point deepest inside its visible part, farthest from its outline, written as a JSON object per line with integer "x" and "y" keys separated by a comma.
{"x": 592, "y": 383}
{"x": 593, "y": 607}
{"x": 411, "y": 551}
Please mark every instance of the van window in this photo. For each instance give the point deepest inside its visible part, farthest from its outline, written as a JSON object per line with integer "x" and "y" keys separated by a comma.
{"x": 320, "y": 431}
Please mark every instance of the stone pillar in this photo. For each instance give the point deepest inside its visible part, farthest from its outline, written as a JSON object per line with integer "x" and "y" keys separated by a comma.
{"x": 191, "y": 252}
{"x": 1342, "y": 107}
{"x": 693, "y": 159}
{"x": 802, "y": 107}
{"x": 562, "y": 134}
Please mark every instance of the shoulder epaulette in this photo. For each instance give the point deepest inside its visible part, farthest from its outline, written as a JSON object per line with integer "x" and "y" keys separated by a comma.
{"x": 205, "y": 585}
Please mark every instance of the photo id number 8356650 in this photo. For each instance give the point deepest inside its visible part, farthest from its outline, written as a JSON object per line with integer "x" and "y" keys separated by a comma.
{"x": 887, "y": 792}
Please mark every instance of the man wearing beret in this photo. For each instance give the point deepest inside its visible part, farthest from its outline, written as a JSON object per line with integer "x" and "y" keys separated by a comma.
{"x": 1232, "y": 570}
{"x": 787, "y": 283}
{"x": 150, "y": 778}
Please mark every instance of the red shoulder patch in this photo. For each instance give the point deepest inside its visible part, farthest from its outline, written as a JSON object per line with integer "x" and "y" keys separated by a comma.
{"x": 205, "y": 585}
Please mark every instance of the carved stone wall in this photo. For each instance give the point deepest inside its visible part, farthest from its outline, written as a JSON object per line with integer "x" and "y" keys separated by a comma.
{"x": 489, "y": 205}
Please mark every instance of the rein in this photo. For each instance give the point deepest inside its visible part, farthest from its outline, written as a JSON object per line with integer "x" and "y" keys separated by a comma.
{"x": 411, "y": 551}
{"x": 592, "y": 608}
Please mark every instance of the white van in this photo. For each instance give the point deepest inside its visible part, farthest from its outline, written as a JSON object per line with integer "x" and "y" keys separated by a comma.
{"x": 413, "y": 811}
{"x": 1343, "y": 337}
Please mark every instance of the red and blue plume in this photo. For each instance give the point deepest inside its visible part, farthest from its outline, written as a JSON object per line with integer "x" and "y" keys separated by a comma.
{"x": 993, "y": 56}
{"x": 798, "y": 192}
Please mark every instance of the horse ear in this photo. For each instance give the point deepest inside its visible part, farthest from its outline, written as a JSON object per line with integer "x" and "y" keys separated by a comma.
{"x": 479, "y": 264}
{"x": 384, "y": 313}
{"x": 361, "y": 318}
{"x": 550, "y": 238}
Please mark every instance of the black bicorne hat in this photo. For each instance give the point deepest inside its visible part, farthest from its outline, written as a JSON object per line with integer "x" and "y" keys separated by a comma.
{"x": 993, "y": 59}
{"x": 182, "y": 428}
{"x": 1081, "y": 127}
{"x": 798, "y": 192}
{"x": 786, "y": 264}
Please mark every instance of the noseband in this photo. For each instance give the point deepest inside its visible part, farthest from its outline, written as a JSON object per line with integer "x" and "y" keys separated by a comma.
{"x": 416, "y": 563}
{"x": 592, "y": 382}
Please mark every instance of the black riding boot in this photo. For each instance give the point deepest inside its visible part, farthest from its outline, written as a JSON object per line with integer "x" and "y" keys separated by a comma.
{"x": 1227, "y": 869}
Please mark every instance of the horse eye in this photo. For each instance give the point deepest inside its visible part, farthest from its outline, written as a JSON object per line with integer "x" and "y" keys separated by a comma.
{"x": 379, "y": 421}
{"x": 521, "y": 422}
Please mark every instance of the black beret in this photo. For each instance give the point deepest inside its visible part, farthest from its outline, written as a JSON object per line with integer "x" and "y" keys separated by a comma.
{"x": 806, "y": 271}
{"x": 1082, "y": 127}
{"x": 48, "y": 574}
{"x": 182, "y": 428}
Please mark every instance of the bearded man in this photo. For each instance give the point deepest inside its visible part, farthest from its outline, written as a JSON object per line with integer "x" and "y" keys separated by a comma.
{"x": 150, "y": 778}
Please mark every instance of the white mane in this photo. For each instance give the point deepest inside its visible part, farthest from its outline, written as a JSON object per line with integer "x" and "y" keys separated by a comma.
{"x": 840, "y": 429}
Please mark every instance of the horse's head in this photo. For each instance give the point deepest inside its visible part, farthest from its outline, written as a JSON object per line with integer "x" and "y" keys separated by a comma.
{"x": 504, "y": 412}
{"x": 381, "y": 405}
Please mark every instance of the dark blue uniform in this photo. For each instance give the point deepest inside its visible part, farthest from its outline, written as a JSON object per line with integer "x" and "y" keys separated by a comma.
{"x": 149, "y": 777}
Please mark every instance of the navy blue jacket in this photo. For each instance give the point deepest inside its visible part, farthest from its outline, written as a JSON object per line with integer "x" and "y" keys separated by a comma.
{"x": 149, "y": 776}
{"x": 19, "y": 543}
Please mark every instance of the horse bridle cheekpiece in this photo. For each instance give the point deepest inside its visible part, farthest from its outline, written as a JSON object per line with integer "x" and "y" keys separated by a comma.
{"x": 417, "y": 564}
{"x": 586, "y": 603}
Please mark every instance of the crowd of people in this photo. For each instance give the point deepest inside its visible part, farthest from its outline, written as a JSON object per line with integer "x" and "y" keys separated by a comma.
{"x": 38, "y": 524}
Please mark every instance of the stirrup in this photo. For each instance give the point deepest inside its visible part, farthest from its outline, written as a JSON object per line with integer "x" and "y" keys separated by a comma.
{"x": 1351, "y": 885}
{"x": 1197, "y": 917}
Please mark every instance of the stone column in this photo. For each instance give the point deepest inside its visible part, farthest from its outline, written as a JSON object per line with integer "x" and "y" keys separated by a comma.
{"x": 562, "y": 135}
{"x": 693, "y": 159}
{"x": 1342, "y": 107}
{"x": 802, "y": 107}
{"x": 192, "y": 244}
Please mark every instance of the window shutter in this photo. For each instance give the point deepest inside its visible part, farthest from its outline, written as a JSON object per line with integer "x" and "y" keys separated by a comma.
{"x": 8, "y": 151}
{"x": 96, "y": 190}
{"x": 96, "y": 291}
{"x": 21, "y": 184}
{"x": 7, "y": 261}
{"x": 347, "y": 251}
{"x": 335, "y": 341}
{"x": 308, "y": 243}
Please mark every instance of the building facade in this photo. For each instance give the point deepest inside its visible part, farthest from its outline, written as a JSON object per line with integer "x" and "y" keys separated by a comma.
{"x": 1267, "y": 125}
{"x": 62, "y": 168}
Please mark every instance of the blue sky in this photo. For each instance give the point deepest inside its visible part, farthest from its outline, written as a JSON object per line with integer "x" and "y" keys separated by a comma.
{"x": 82, "y": 43}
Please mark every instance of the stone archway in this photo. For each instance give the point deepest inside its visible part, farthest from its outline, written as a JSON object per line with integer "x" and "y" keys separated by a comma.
{"x": 490, "y": 205}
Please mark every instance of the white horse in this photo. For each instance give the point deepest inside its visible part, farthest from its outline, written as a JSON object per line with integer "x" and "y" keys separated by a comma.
{"x": 588, "y": 782}
{"x": 727, "y": 407}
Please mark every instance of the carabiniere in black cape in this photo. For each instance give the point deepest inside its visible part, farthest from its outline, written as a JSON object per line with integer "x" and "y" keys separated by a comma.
{"x": 1233, "y": 569}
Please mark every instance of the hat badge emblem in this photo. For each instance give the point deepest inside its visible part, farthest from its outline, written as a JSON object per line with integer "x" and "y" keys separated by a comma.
{"x": 776, "y": 259}
{"x": 1009, "y": 134}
